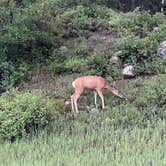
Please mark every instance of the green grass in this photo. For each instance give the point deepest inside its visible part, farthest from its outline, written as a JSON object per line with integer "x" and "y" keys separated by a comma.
{"x": 77, "y": 142}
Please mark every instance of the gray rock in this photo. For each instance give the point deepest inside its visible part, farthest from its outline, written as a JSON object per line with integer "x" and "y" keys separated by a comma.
{"x": 162, "y": 50}
{"x": 115, "y": 60}
{"x": 67, "y": 102}
{"x": 156, "y": 29}
{"x": 128, "y": 71}
{"x": 63, "y": 48}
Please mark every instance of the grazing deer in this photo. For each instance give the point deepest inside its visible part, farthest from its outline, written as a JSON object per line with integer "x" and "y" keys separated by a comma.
{"x": 96, "y": 83}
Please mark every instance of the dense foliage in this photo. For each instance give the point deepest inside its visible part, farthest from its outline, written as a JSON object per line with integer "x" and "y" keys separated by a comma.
{"x": 24, "y": 113}
{"x": 32, "y": 32}
{"x": 139, "y": 40}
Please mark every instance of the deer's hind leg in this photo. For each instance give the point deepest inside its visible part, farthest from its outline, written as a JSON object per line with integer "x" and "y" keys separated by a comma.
{"x": 74, "y": 99}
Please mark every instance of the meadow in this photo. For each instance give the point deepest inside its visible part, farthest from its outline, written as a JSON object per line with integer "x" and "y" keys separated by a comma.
{"x": 79, "y": 142}
{"x": 44, "y": 46}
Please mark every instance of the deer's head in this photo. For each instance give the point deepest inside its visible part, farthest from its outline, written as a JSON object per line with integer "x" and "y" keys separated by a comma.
{"x": 117, "y": 92}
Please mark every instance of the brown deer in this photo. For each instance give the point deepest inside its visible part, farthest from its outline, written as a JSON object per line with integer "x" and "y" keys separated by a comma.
{"x": 96, "y": 83}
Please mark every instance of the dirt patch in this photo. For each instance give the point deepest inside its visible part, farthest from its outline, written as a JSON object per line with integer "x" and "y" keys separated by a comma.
{"x": 41, "y": 79}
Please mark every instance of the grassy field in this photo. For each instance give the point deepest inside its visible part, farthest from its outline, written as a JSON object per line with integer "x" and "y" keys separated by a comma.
{"x": 79, "y": 143}
{"x": 44, "y": 46}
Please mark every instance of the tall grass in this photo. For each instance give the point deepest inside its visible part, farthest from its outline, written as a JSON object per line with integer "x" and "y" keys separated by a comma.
{"x": 78, "y": 143}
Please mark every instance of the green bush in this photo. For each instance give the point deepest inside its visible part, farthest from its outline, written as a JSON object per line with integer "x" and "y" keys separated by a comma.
{"x": 24, "y": 113}
{"x": 25, "y": 40}
{"x": 81, "y": 20}
{"x": 100, "y": 64}
{"x": 138, "y": 23}
{"x": 57, "y": 67}
{"x": 153, "y": 93}
{"x": 146, "y": 104}
{"x": 142, "y": 52}
{"x": 69, "y": 65}
{"x": 11, "y": 74}
{"x": 73, "y": 64}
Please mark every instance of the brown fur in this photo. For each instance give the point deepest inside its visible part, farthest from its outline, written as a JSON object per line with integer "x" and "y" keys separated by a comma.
{"x": 96, "y": 83}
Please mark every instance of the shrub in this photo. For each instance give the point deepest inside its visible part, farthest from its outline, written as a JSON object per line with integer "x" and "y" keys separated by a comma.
{"x": 153, "y": 93}
{"x": 146, "y": 104}
{"x": 25, "y": 40}
{"x": 101, "y": 65}
{"x": 57, "y": 67}
{"x": 123, "y": 116}
{"x": 142, "y": 52}
{"x": 69, "y": 65}
{"x": 82, "y": 49}
{"x": 138, "y": 23}
{"x": 24, "y": 113}
{"x": 138, "y": 42}
{"x": 80, "y": 20}
{"x": 11, "y": 74}
{"x": 73, "y": 64}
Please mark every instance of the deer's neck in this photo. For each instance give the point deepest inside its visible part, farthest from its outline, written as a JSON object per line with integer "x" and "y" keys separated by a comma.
{"x": 108, "y": 86}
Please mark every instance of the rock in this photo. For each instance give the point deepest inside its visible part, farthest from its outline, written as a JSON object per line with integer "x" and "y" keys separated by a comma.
{"x": 162, "y": 50}
{"x": 94, "y": 110}
{"x": 67, "y": 102}
{"x": 63, "y": 48}
{"x": 128, "y": 71}
{"x": 156, "y": 29}
{"x": 115, "y": 60}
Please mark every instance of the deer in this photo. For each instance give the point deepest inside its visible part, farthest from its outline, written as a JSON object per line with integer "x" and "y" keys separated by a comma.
{"x": 95, "y": 83}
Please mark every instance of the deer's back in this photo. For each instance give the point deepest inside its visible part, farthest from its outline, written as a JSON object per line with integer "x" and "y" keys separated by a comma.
{"x": 89, "y": 82}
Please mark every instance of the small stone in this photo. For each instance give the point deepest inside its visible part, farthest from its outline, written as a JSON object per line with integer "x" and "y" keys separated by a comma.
{"x": 128, "y": 71}
{"x": 115, "y": 60}
{"x": 67, "y": 102}
{"x": 94, "y": 110}
{"x": 63, "y": 48}
{"x": 156, "y": 29}
{"x": 162, "y": 50}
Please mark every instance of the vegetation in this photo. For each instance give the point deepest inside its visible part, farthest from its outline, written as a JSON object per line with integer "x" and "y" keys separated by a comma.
{"x": 22, "y": 114}
{"x": 139, "y": 40}
{"x": 71, "y": 38}
{"x": 85, "y": 142}
{"x": 33, "y": 33}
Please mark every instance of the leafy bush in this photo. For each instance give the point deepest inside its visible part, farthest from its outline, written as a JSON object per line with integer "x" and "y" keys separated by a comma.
{"x": 80, "y": 20}
{"x": 146, "y": 104}
{"x": 153, "y": 93}
{"x": 138, "y": 50}
{"x": 138, "y": 23}
{"x": 24, "y": 40}
{"x": 68, "y": 65}
{"x": 138, "y": 42}
{"x": 101, "y": 65}
{"x": 11, "y": 74}
{"x": 23, "y": 113}
{"x": 57, "y": 67}
{"x": 73, "y": 64}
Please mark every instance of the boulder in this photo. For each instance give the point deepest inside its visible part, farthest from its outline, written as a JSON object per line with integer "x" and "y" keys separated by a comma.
{"x": 128, "y": 71}
{"x": 63, "y": 49}
{"x": 162, "y": 50}
{"x": 156, "y": 29}
{"x": 115, "y": 60}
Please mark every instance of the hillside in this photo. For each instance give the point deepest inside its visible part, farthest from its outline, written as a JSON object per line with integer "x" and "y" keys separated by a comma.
{"x": 45, "y": 45}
